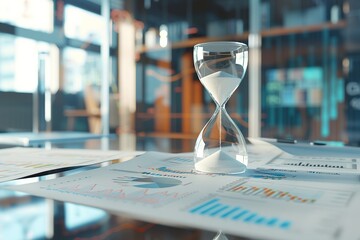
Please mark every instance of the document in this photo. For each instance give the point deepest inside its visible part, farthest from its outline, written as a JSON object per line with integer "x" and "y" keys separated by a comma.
{"x": 321, "y": 164}
{"x": 164, "y": 188}
{"x": 341, "y": 164}
{"x": 21, "y": 162}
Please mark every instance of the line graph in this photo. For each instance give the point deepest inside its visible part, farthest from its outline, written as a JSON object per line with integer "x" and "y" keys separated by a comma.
{"x": 143, "y": 196}
{"x": 153, "y": 195}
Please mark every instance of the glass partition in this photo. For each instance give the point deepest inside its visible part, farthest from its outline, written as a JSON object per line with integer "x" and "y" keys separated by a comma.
{"x": 303, "y": 79}
{"x": 49, "y": 52}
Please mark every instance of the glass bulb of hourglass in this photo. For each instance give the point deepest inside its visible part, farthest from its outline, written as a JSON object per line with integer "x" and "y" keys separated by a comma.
{"x": 220, "y": 146}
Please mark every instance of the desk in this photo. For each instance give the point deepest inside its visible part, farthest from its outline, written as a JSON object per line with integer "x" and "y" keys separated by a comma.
{"x": 39, "y": 218}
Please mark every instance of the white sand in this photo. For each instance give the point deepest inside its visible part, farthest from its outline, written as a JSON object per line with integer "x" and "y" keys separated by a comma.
{"x": 220, "y": 85}
{"x": 220, "y": 162}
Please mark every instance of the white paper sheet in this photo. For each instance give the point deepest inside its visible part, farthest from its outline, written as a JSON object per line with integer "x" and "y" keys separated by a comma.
{"x": 267, "y": 157}
{"x": 21, "y": 162}
{"x": 164, "y": 188}
{"x": 314, "y": 164}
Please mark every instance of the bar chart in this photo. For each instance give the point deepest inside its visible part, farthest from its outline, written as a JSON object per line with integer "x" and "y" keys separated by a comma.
{"x": 164, "y": 169}
{"x": 216, "y": 208}
{"x": 315, "y": 162}
{"x": 288, "y": 193}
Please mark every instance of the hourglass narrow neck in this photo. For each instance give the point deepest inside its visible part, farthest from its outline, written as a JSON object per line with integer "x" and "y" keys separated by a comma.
{"x": 220, "y": 110}
{"x": 222, "y": 105}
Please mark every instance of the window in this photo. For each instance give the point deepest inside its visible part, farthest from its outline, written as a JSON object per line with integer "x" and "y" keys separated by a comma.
{"x": 19, "y": 58}
{"x": 31, "y": 14}
{"x": 82, "y": 25}
{"x": 80, "y": 68}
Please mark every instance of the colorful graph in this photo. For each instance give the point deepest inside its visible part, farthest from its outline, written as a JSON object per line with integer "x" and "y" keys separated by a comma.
{"x": 264, "y": 174}
{"x": 149, "y": 182}
{"x": 152, "y": 172}
{"x": 283, "y": 192}
{"x": 99, "y": 191}
{"x": 171, "y": 170}
{"x": 216, "y": 209}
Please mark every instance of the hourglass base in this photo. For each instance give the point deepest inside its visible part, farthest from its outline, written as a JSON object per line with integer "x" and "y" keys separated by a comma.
{"x": 220, "y": 236}
{"x": 221, "y": 162}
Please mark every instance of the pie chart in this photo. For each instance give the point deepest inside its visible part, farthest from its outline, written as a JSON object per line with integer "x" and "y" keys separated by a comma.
{"x": 155, "y": 182}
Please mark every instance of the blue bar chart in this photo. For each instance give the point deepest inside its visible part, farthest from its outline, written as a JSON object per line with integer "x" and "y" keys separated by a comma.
{"x": 217, "y": 209}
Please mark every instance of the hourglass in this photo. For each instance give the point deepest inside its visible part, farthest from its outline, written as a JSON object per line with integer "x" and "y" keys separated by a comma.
{"x": 220, "y": 147}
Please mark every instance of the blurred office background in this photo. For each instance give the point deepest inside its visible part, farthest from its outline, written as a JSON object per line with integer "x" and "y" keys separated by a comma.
{"x": 303, "y": 79}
